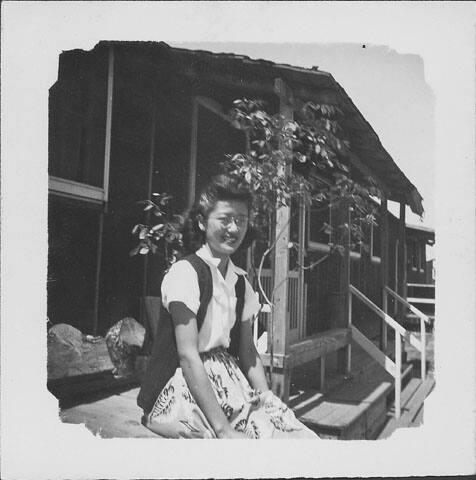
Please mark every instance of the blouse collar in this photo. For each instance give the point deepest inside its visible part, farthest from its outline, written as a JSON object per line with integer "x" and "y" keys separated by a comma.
{"x": 205, "y": 254}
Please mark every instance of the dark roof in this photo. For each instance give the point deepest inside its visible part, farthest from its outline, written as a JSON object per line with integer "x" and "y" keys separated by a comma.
{"x": 307, "y": 84}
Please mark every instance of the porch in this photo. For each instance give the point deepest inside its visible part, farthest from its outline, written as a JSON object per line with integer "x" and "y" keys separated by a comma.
{"x": 168, "y": 131}
{"x": 359, "y": 407}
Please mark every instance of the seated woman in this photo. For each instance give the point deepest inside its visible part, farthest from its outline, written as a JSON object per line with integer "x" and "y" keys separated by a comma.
{"x": 212, "y": 394}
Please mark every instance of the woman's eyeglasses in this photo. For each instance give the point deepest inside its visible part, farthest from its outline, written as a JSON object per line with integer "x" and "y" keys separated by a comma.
{"x": 240, "y": 221}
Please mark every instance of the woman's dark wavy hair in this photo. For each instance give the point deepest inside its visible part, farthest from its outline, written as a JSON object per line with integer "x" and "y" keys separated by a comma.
{"x": 220, "y": 187}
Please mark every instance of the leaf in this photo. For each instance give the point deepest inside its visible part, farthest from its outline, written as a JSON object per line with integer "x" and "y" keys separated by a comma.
{"x": 134, "y": 230}
{"x": 144, "y": 250}
{"x": 148, "y": 207}
{"x": 157, "y": 227}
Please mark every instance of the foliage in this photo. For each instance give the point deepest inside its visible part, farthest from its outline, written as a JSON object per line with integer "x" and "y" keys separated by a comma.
{"x": 164, "y": 237}
{"x": 313, "y": 144}
{"x": 305, "y": 159}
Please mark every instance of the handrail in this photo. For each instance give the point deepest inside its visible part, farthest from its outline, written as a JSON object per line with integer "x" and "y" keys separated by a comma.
{"x": 423, "y": 319}
{"x": 411, "y": 307}
{"x": 394, "y": 368}
{"x": 388, "y": 319}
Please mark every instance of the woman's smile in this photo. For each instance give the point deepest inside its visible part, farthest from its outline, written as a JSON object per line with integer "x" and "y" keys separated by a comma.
{"x": 226, "y": 227}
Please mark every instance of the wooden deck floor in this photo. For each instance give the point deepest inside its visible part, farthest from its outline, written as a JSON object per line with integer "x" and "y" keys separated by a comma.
{"x": 352, "y": 408}
{"x": 115, "y": 416}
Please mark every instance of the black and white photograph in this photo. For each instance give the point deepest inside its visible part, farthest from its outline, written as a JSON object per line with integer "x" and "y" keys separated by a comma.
{"x": 237, "y": 229}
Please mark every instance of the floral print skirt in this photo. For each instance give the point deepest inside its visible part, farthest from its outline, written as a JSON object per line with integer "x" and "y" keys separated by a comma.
{"x": 176, "y": 414}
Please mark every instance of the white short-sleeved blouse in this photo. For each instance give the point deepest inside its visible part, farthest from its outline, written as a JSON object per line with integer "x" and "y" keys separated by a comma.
{"x": 180, "y": 284}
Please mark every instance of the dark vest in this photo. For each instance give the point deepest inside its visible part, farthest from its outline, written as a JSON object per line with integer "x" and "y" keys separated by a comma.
{"x": 164, "y": 356}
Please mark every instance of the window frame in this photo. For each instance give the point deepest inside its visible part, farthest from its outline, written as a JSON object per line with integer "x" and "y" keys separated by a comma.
{"x": 216, "y": 108}
{"x": 82, "y": 191}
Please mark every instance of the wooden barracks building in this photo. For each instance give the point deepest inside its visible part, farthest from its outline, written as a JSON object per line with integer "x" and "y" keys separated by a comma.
{"x": 131, "y": 118}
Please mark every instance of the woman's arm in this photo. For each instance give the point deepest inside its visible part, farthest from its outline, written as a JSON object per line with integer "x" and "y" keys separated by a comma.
{"x": 186, "y": 334}
{"x": 250, "y": 361}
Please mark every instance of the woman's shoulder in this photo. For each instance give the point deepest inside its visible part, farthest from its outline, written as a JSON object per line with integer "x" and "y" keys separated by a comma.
{"x": 181, "y": 269}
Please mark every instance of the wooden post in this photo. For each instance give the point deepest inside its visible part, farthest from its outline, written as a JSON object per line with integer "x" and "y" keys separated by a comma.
{"x": 423, "y": 348}
{"x": 107, "y": 141}
{"x": 348, "y": 368}
{"x": 98, "y": 273}
{"x": 340, "y": 278}
{"x": 302, "y": 306}
{"x": 398, "y": 373}
{"x": 153, "y": 126}
{"x": 402, "y": 268}
{"x": 384, "y": 240}
{"x": 107, "y": 161}
{"x": 402, "y": 261}
{"x": 395, "y": 269}
{"x": 279, "y": 338}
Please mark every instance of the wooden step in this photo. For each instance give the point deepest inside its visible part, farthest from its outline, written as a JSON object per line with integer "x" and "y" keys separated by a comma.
{"x": 354, "y": 408}
{"x": 406, "y": 379}
{"x": 421, "y": 285}
{"x": 412, "y": 400}
{"x": 347, "y": 411}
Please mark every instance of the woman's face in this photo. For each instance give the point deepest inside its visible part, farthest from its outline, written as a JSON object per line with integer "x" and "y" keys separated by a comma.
{"x": 226, "y": 227}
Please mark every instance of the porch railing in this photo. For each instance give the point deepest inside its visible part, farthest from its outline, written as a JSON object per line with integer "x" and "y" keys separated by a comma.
{"x": 392, "y": 367}
{"x": 296, "y": 320}
{"x": 424, "y": 319}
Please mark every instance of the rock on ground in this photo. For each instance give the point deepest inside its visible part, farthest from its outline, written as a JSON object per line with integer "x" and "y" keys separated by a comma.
{"x": 124, "y": 341}
{"x": 71, "y": 353}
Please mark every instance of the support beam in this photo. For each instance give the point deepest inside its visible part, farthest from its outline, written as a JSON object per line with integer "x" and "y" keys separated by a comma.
{"x": 302, "y": 303}
{"x": 107, "y": 160}
{"x": 150, "y": 176}
{"x": 340, "y": 279}
{"x": 384, "y": 242}
{"x": 98, "y": 273}
{"x": 107, "y": 140}
{"x": 278, "y": 338}
{"x": 402, "y": 272}
{"x": 402, "y": 262}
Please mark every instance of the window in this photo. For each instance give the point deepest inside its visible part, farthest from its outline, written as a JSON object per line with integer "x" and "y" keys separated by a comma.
{"x": 78, "y": 112}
